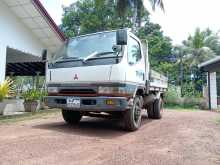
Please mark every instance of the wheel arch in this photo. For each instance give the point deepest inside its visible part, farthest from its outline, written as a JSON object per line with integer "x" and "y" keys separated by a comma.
{"x": 139, "y": 91}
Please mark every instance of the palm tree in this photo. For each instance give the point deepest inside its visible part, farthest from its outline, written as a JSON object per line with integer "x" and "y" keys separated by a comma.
{"x": 199, "y": 47}
{"x": 136, "y": 7}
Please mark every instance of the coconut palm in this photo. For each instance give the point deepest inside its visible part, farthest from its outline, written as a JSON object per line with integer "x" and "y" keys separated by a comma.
{"x": 136, "y": 7}
{"x": 198, "y": 47}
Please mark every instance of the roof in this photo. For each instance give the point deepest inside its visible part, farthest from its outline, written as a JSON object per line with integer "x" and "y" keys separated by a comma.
{"x": 36, "y": 18}
{"x": 16, "y": 56}
{"x": 23, "y": 64}
{"x": 25, "y": 69}
{"x": 210, "y": 65}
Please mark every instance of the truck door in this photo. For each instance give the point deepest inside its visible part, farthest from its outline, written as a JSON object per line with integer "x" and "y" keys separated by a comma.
{"x": 136, "y": 66}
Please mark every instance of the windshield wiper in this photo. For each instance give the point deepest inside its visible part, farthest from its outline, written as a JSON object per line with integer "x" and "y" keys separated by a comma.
{"x": 67, "y": 59}
{"x": 94, "y": 54}
{"x": 71, "y": 58}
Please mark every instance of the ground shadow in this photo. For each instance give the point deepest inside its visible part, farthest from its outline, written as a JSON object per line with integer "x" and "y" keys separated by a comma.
{"x": 90, "y": 127}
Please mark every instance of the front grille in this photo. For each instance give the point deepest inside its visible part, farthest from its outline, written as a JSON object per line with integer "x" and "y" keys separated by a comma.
{"x": 89, "y": 102}
{"x": 78, "y": 91}
{"x": 60, "y": 101}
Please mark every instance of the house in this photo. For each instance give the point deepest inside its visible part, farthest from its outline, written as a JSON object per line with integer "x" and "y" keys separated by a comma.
{"x": 26, "y": 29}
{"x": 212, "y": 67}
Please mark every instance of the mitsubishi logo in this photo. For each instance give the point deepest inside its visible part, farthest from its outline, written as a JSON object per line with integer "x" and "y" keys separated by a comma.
{"x": 75, "y": 77}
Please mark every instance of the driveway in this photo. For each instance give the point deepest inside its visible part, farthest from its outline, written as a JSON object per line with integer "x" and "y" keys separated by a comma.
{"x": 181, "y": 137}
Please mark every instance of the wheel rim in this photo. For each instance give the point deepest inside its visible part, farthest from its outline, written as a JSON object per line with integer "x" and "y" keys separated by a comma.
{"x": 137, "y": 112}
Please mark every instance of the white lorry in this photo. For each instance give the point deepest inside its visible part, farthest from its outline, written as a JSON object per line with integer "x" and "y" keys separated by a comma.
{"x": 105, "y": 73}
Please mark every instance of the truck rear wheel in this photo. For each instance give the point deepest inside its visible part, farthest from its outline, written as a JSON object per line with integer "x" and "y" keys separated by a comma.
{"x": 150, "y": 111}
{"x": 71, "y": 117}
{"x": 157, "y": 108}
{"x": 132, "y": 116}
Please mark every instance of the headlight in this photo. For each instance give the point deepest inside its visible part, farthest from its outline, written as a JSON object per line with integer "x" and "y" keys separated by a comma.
{"x": 112, "y": 90}
{"x": 52, "y": 90}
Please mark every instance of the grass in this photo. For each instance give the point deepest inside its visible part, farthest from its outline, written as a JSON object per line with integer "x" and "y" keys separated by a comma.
{"x": 218, "y": 121}
{"x": 28, "y": 116}
{"x": 180, "y": 108}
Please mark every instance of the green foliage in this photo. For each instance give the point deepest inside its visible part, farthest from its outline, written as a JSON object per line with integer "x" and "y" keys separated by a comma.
{"x": 191, "y": 102}
{"x": 34, "y": 94}
{"x": 42, "y": 95}
{"x": 31, "y": 95}
{"x": 137, "y": 8}
{"x": 199, "y": 47}
{"x": 160, "y": 47}
{"x": 85, "y": 16}
{"x": 189, "y": 90}
{"x": 172, "y": 96}
{"x": 218, "y": 121}
{"x": 6, "y": 89}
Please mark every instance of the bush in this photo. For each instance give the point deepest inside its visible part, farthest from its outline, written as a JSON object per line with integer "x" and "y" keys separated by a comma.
{"x": 34, "y": 94}
{"x": 6, "y": 89}
{"x": 188, "y": 90}
{"x": 31, "y": 95}
{"x": 191, "y": 102}
{"x": 172, "y": 96}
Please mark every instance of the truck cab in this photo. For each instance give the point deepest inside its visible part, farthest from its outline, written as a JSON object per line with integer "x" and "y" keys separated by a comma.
{"x": 104, "y": 73}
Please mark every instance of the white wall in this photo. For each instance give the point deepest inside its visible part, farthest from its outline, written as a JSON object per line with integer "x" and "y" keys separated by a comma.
{"x": 14, "y": 34}
{"x": 2, "y": 61}
{"x": 213, "y": 90}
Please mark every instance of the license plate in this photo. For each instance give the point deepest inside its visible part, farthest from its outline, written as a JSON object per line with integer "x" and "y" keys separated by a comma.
{"x": 73, "y": 102}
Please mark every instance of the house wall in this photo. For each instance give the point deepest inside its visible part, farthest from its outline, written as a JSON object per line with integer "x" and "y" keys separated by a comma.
{"x": 213, "y": 90}
{"x": 2, "y": 61}
{"x": 14, "y": 34}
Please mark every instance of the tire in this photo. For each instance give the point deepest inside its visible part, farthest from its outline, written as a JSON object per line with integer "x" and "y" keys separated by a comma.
{"x": 150, "y": 111}
{"x": 132, "y": 116}
{"x": 71, "y": 117}
{"x": 157, "y": 108}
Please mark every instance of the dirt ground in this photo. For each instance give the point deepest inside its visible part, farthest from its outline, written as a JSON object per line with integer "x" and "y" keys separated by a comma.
{"x": 186, "y": 137}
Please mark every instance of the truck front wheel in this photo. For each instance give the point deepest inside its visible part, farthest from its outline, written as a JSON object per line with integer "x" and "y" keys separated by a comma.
{"x": 132, "y": 116}
{"x": 71, "y": 117}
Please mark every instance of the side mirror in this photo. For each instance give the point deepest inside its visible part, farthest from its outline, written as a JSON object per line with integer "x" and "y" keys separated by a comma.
{"x": 44, "y": 55}
{"x": 121, "y": 37}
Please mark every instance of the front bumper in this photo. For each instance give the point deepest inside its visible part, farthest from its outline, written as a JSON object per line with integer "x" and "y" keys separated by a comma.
{"x": 96, "y": 104}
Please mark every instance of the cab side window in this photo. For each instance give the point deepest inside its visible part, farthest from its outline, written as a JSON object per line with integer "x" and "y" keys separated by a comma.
{"x": 134, "y": 51}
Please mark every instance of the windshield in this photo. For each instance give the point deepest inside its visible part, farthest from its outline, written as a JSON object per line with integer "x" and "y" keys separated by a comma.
{"x": 82, "y": 47}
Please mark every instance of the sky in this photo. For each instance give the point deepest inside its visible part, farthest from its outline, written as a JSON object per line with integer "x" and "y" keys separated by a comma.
{"x": 180, "y": 19}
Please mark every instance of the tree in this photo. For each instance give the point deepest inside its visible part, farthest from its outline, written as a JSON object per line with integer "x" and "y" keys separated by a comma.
{"x": 136, "y": 6}
{"x": 89, "y": 16}
{"x": 199, "y": 47}
{"x": 160, "y": 46}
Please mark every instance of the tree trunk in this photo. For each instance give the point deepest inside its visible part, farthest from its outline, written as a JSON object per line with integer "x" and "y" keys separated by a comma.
{"x": 134, "y": 18}
{"x": 181, "y": 75}
{"x": 139, "y": 8}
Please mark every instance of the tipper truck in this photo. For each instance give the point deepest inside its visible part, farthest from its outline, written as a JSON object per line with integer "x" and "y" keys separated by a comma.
{"x": 105, "y": 74}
